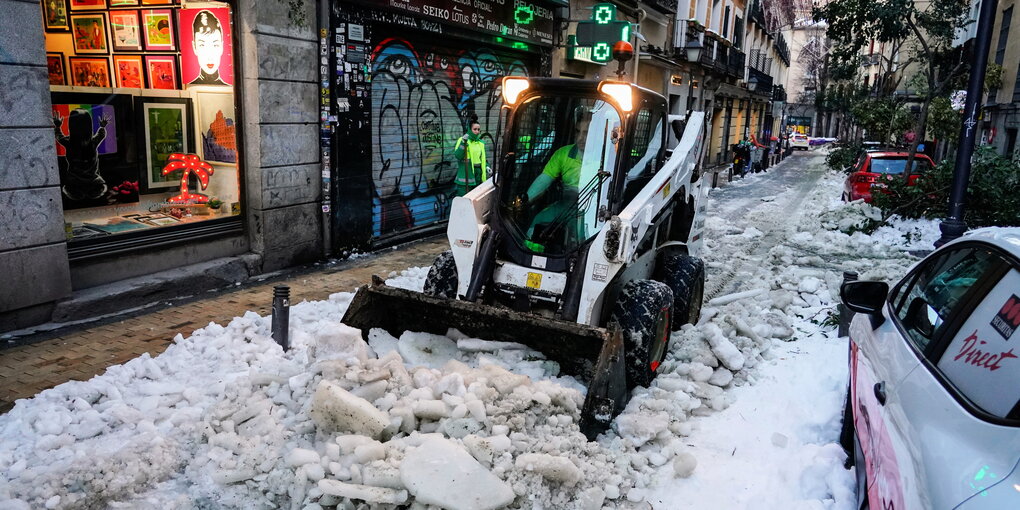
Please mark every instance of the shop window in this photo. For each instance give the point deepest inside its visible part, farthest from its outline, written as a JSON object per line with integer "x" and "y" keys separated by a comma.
{"x": 143, "y": 114}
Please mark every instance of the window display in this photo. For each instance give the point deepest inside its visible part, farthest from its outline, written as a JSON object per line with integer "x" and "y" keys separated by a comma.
{"x": 143, "y": 113}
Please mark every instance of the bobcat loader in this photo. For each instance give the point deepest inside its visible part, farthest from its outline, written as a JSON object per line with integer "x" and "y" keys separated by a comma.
{"x": 584, "y": 245}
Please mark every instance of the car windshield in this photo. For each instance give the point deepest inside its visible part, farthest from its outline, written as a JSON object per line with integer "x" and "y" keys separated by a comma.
{"x": 563, "y": 152}
{"x": 896, "y": 165}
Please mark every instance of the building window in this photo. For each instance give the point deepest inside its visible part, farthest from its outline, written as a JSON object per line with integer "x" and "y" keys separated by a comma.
{"x": 1000, "y": 50}
{"x": 726, "y": 23}
{"x": 144, "y": 115}
{"x": 738, "y": 32}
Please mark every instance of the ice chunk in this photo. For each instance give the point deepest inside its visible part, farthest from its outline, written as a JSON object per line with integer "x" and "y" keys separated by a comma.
{"x": 721, "y": 377}
{"x": 441, "y": 473}
{"x": 332, "y": 340}
{"x": 728, "y": 354}
{"x": 430, "y": 409}
{"x": 365, "y": 493}
{"x": 684, "y": 464}
{"x": 300, "y": 456}
{"x": 556, "y": 469}
{"x": 335, "y": 409}
{"x": 591, "y": 499}
{"x": 427, "y": 349}
{"x": 476, "y": 345}
{"x": 381, "y": 341}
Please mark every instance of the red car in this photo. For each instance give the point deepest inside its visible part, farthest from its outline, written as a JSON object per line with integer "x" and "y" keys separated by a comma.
{"x": 872, "y": 167}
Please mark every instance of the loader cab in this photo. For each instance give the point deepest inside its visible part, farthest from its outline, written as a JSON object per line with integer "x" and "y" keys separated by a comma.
{"x": 558, "y": 181}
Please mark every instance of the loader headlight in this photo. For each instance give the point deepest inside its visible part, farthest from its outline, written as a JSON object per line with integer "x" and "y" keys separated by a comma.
{"x": 512, "y": 88}
{"x": 621, "y": 92}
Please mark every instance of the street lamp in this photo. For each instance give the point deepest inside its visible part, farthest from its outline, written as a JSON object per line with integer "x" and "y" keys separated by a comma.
{"x": 752, "y": 83}
{"x": 954, "y": 226}
{"x": 694, "y": 50}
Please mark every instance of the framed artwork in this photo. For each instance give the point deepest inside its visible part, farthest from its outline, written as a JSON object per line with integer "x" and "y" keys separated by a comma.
{"x": 166, "y": 124}
{"x": 81, "y": 5}
{"x": 158, "y": 30}
{"x": 89, "y": 71}
{"x": 161, "y": 71}
{"x": 55, "y": 16}
{"x": 123, "y": 3}
{"x": 206, "y": 52}
{"x": 55, "y": 68}
{"x": 128, "y": 71}
{"x": 125, "y": 31}
{"x": 89, "y": 33}
{"x": 103, "y": 169}
{"x": 216, "y": 127}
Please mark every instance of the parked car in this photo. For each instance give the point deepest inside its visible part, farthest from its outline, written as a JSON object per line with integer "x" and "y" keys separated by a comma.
{"x": 798, "y": 141}
{"x": 872, "y": 168}
{"x": 932, "y": 417}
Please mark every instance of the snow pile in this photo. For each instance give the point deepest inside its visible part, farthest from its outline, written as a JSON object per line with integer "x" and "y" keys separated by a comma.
{"x": 225, "y": 419}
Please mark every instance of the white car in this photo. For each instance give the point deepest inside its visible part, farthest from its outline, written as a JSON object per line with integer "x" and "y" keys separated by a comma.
{"x": 933, "y": 406}
{"x": 800, "y": 142}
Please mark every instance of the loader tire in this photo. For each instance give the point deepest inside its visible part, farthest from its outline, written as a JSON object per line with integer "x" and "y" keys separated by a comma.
{"x": 685, "y": 276}
{"x": 643, "y": 312}
{"x": 441, "y": 281}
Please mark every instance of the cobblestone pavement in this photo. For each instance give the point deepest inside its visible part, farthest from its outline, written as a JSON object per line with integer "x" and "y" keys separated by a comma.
{"x": 84, "y": 351}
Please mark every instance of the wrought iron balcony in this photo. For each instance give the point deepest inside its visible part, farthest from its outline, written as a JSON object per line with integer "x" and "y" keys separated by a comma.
{"x": 759, "y": 82}
{"x": 735, "y": 65}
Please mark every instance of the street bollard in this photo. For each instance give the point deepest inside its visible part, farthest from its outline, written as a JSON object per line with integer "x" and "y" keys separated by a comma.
{"x": 281, "y": 316}
{"x": 844, "y": 313}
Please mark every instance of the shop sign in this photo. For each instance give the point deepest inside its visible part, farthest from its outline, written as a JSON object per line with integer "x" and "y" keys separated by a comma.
{"x": 517, "y": 19}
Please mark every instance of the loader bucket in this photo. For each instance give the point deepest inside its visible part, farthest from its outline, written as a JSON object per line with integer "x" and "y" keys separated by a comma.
{"x": 593, "y": 355}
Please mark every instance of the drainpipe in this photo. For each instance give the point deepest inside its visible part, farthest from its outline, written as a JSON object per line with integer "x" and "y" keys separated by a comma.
{"x": 641, "y": 15}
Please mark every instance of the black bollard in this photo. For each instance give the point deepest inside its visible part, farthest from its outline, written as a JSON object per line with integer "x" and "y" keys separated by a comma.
{"x": 844, "y": 313}
{"x": 281, "y": 316}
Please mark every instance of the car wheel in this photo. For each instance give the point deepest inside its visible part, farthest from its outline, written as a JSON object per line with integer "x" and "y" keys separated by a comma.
{"x": 685, "y": 276}
{"x": 441, "y": 281}
{"x": 643, "y": 314}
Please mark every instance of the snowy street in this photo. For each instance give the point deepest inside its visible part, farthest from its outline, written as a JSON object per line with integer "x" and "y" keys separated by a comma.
{"x": 744, "y": 413}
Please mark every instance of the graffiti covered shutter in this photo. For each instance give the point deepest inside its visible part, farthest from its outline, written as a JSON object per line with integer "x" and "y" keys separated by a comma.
{"x": 422, "y": 96}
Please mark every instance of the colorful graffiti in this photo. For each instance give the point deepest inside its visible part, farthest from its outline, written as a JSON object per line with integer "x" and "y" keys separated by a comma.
{"x": 422, "y": 99}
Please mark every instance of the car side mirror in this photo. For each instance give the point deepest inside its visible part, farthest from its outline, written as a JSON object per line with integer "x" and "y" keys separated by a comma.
{"x": 865, "y": 297}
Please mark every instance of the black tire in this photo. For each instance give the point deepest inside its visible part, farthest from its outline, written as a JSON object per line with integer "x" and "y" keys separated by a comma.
{"x": 685, "y": 276}
{"x": 441, "y": 281}
{"x": 643, "y": 311}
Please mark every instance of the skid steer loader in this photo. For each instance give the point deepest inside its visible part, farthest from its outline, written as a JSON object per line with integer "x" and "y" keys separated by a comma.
{"x": 583, "y": 246}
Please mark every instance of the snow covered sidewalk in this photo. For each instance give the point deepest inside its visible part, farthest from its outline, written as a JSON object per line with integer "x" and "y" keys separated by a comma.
{"x": 744, "y": 413}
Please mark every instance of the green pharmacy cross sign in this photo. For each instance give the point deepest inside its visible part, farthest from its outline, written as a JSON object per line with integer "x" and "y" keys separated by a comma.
{"x": 524, "y": 14}
{"x": 602, "y": 31}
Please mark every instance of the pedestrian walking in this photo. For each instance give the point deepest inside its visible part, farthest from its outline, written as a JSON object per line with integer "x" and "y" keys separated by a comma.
{"x": 470, "y": 152}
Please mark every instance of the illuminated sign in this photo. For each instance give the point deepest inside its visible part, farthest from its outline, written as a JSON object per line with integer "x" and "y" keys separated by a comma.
{"x": 602, "y": 31}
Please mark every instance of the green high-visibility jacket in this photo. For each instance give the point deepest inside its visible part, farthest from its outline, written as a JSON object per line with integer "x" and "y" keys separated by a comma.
{"x": 472, "y": 169}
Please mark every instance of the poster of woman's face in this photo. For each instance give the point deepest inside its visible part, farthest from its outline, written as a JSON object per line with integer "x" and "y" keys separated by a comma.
{"x": 206, "y": 56}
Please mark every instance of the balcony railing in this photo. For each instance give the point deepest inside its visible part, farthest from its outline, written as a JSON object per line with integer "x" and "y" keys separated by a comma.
{"x": 778, "y": 93}
{"x": 735, "y": 65}
{"x": 759, "y": 82}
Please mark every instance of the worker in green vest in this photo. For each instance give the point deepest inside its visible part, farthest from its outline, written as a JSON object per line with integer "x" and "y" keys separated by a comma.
{"x": 470, "y": 152}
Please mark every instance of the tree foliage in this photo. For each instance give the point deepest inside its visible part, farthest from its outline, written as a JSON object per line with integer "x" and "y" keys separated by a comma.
{"x": 882, "y": 118}
{"x": 991, "y": 199}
